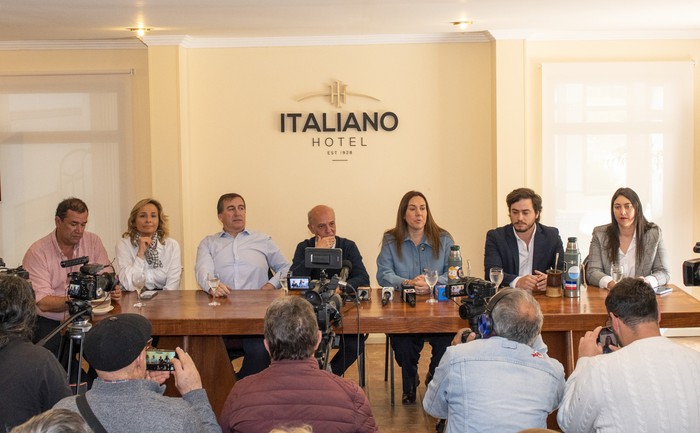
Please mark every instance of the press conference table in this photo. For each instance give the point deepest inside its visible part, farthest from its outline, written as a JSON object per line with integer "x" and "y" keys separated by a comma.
{"x": 183, "y": 318}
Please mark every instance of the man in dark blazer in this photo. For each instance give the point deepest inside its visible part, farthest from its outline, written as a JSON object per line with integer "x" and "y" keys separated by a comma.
{"x": 525, "y": 249}
{"x": 322, "y": 225}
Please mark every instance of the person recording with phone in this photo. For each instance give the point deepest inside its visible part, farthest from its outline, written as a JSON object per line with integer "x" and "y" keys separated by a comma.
{"x": 629, "y": 242}
{"x": 525, "y": 248}
{"x": 322, "y": 225}
{"x": 126, "y": 397}
{"x": 649, "y": 384}
{"x": 69, "y": 240}
{"x": 503, "y": 381}
{"x": 415, "y": 243}
{"x": 146, "y": 248}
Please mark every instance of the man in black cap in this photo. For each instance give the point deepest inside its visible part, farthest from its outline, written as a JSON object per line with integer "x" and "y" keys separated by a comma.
{"x": 127, "y": 398}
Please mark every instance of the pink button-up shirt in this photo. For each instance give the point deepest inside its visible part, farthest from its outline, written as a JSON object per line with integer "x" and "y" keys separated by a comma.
{"x": 43, "y": 262}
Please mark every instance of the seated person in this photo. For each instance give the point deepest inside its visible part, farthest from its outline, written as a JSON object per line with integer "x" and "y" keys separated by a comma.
{"x": 146, "y": 249}
{"x": 415, "y": 241}
{"x": 242, "y": 259}
{"x": 487, "y": 385}
{"x": 322, "y": 225}
{"x": 649, "y": 384}
{"x": 293, "y": 391}
{"x": 629, "y": 240}
{"x": 32, "y": 379}
{"x": 126, "y": 397}
{"x": 524, "y": 249}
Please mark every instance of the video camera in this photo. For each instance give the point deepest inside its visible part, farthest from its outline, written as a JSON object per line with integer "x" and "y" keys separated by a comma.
{"x": 85, "y": 284}
{"x": 691, "y": 269}
{"x": 19, "y": 270}
{"x": 323, "y": 297}
{"x": 475, "y": 294}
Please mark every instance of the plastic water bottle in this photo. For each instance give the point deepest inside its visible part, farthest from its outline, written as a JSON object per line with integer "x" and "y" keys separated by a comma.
{"x": 454, "y": 265}
{"x": 572, "y": 259}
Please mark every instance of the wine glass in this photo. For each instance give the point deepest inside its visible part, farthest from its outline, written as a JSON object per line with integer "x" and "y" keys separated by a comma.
{"x": 139, "y": 282}
{"x": 213, "y": 283}
{"x": 616, "y": 272}
{"x": 496, "y": 276}
{"x": 431, "y": 278}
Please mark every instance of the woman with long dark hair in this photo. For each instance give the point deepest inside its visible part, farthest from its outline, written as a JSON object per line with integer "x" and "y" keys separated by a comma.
{"x": 414, "y": 244}
{"x": 629, "y": 240}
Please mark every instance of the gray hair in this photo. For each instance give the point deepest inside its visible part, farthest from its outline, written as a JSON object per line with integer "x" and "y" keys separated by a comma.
{"x": 291, "y": 328}
{"x": 518, "y": 317}
{"x": 54, "y": 421}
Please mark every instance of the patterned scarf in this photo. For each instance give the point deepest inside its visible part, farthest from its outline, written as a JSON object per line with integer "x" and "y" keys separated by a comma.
{"x": 151, "y": 253}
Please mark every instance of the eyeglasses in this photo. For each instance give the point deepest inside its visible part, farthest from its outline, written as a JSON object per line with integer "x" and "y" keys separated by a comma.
{"x": 149, "y": 344}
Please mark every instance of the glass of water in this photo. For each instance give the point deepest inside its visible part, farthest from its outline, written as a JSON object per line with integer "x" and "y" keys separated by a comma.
{"x": 138, "y": 281}
{"x": 213, "y": 283}
{"x": 431, "y": 278}
{"x": 616, "y": 272}
{"x": 496, "y": 276}
{"x": 283, "y": 283}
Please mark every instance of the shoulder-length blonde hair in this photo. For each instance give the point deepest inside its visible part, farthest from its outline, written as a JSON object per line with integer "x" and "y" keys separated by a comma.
{"x": 432, "y": 230}
{"x": 162, "y": 230}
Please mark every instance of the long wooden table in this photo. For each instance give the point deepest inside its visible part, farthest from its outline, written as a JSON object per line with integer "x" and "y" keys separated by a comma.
{"x": 183, "y": 318}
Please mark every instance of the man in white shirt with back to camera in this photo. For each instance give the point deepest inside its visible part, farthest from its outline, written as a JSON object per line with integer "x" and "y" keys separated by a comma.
{"x": 649, "y": 384}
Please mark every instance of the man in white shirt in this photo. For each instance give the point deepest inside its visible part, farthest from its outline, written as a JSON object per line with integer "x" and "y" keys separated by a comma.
{"x": 650, "y": 384}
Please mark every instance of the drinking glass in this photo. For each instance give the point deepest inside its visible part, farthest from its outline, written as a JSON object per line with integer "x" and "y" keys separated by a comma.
{"x": 283, "y": 283}
{"x": 431, "y": 278}
{"x": 213, "y": 283}
{"x": 139, "y": 282}
{"x": 616, "y": 272}
{"x": 496, "y": 276}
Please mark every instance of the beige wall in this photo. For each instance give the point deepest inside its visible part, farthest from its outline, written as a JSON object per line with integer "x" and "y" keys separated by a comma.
{"x": 441, "y": 94}
{"x": 206, "y": 122}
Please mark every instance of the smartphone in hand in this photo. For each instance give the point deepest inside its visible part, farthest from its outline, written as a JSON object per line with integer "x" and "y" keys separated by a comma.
{"x": 607, "y": 339}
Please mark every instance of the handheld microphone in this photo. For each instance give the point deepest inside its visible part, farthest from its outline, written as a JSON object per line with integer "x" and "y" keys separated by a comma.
{"x": 409, "y": 296}
{"x": 387, "y": 295}
{"x": 345, "y": 271}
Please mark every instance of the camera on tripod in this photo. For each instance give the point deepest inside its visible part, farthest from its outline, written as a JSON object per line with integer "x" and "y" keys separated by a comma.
{"x": 691, "y": 269}
{"x": 19, "y": 270}
{"x": 475, "y": 294}
{"x": 323, "y": 297}
{"x": 86, "y": 284}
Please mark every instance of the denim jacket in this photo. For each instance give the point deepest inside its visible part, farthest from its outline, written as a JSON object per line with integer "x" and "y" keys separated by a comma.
{"x": 495, "y": 385}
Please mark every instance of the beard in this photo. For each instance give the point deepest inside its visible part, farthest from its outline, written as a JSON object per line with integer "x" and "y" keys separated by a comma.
{"x": 519, "y": 227}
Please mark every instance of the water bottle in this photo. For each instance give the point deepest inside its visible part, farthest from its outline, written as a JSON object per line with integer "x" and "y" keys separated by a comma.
{"x": 572, "y": 261}
{"x": 454, "y": 265}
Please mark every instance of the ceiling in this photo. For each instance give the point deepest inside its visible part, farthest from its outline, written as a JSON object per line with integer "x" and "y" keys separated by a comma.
{"x": 296, "y": 20}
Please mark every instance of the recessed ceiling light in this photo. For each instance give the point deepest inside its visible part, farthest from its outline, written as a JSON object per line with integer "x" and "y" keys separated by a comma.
{"x": 140, "y": 31}
{"x": 462, "y": 24}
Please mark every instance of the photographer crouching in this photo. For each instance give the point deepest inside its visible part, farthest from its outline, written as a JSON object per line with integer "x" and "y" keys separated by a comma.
{"x": 504, "y": 380}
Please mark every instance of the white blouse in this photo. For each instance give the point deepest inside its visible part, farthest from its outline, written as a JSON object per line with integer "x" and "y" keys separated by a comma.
{"x": 166, "y": 277}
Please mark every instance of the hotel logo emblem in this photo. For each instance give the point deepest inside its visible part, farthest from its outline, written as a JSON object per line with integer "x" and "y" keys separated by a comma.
{"x": 337, "y": 92}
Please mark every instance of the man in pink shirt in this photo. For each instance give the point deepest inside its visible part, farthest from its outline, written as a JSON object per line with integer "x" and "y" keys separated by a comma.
{"x": 43, "y": 262}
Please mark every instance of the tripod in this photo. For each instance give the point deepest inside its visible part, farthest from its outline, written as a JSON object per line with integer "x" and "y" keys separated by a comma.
{"x": 77, "y": 324}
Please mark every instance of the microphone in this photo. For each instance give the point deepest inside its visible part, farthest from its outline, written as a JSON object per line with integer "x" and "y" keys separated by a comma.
{"x": 345, "y": 271}
{"x": 387, "y": 295}
{"x": 408, "y": 295}
{"x": 74, "y": 262}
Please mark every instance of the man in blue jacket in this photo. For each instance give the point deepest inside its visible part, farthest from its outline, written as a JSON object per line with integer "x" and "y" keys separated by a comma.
{"x": 525, "y": 249}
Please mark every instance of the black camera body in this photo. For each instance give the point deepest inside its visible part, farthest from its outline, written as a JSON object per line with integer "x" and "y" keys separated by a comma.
{"x": 691, "y": 269}
{"x": 87, "y": 285}
{"x": 19, "y": 270}
{"x": 475, "y": 294}
{"x": 472, "y": 287}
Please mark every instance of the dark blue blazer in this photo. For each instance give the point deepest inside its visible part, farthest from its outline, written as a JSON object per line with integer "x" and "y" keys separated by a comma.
{"x": 501, "y": 251}
{"x": 358, "y": 274}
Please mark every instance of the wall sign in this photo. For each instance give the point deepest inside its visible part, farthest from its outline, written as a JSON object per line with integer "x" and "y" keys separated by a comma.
{"x": 339, "y": 134}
